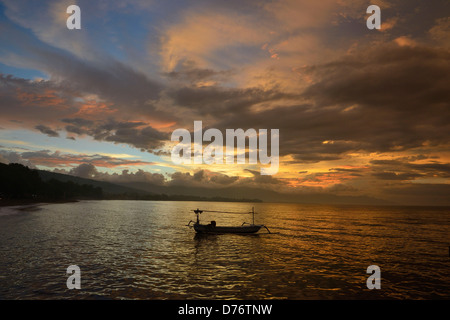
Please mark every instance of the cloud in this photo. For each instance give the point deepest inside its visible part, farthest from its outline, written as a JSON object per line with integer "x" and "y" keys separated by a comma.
{"x": 295, "y": 14}
{"x": 379, "y": 99}
{"x": 52, "y": 103}
{"x": 404, "y": 169}
{"x": 263, "y": 179}
{"x": 189, "y": 72}
{"x": 138, "y": 176}
{"x": 223, "y": 103}
{"x": 78, "y": 121}
{"x": 370, "y": 84}
{"x": 14, "y": 157}
{"x": 201, "y": 35}
{"x": 27, "y": 101}
{"x": 46, "y": 130}
{"x": 396, "y": 176}
{"x": 134, "y": 133}
{"x": 112, "y": 81}
{"x": 50, "y": 24}
{"x": 440, "y": 32}
{"x": 85, "y": 170}
{"x": 146, "y": 138}
{"x": 201, "y": 178}
{"x": 58, "y": 159}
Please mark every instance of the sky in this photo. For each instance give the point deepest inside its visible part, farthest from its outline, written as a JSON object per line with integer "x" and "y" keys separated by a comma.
{"x": 360, "y": 112}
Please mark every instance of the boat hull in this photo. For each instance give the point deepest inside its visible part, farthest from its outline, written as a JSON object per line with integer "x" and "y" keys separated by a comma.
{"x": 202, "y": 228}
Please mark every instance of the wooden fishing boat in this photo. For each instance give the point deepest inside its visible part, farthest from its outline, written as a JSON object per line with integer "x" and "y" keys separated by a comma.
{"x": 212, "y": 227}
{"x": 208, "y": 228}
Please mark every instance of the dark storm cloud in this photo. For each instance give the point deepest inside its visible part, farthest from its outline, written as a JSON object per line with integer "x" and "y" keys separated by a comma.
{"x": 52, "y": 103}
{"x": 223, "y": 179}
{"x": 146, "y": 138}
{"x": 59, "y": 159}
{"x": 49, "y": 102}
{"x": 221, "y": 102}
{"x": 404, "y": 170}
{"x": 135, "y": 133}
{"x": 303, "y": 131}
{"x": 191, "y": 73}
{"x": 389, "y": 76}
{"x": 78, "y": 121}
{"x": 85, "y": 170}
{"x": 76, "y": 130}
{"x": 25, "y": 101}
{"x": 207, "y": 178}
{"x": 127, "y": 89}
{"x": 89, "y": 170}
{"x": 194, "y": 75}
{"x": 396, "y": 176}
{"x": 201, "y": 178}
{"x": 380, "y": 99}
{"x": 14, "y": 157}
{"x": 46, "y": 130}
{"x": 345, "y": 170}
{"x": 376, "y": 99}
{"x": 351, "y": 172}
{"x": 263, "y": 179}
{"x": 110, "y": 80}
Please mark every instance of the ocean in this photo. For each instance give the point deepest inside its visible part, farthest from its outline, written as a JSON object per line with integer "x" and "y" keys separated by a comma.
{"x": 144, "y": 250}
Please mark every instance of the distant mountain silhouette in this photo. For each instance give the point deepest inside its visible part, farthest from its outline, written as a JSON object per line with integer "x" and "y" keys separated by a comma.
{"x": 140, "y": 191}
{"x": 255, "y": 193}
{"x": 107, "y": 187}
{"x": 19, "y": 181}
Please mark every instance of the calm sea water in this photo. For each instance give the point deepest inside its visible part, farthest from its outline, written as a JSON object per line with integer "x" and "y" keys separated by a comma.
{"x": 143, "y": 250}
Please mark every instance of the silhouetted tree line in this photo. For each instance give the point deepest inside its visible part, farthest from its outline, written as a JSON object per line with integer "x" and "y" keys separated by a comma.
{"x": 20, "y": 182}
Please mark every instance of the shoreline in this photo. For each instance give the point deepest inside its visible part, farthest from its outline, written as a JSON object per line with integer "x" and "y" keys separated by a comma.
{"x": 28, "y": 203}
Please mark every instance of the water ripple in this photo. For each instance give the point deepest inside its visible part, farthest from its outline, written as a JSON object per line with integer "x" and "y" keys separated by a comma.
{"x": 143, "y": 250}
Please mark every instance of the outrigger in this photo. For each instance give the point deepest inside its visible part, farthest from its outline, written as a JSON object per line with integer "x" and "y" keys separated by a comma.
{"x": 214, "y": 228}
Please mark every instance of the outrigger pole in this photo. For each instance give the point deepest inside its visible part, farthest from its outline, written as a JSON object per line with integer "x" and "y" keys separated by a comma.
{"x": 198, "y": 211}
{"x": 253, "y": 214}
{"x": 234, "y": 212}
{"x": 201, "y": 211}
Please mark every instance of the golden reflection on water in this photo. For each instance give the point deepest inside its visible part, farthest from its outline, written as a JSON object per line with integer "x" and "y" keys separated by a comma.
{"x": 143, "y": 250}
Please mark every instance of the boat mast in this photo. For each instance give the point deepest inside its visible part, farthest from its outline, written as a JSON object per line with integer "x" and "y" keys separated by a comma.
{"x": 253, "y": 214}
{"x": 197, "y": 212}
